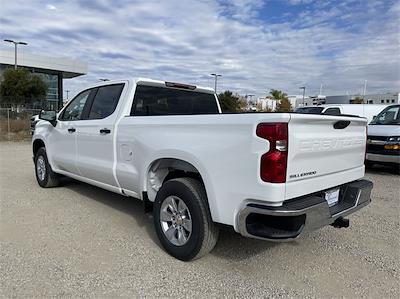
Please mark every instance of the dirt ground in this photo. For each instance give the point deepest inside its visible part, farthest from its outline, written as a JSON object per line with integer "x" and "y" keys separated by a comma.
{"x": 81, "y": 241}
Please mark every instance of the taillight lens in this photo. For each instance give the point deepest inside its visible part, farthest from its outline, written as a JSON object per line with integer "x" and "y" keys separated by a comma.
{"x": 274, "y": 162}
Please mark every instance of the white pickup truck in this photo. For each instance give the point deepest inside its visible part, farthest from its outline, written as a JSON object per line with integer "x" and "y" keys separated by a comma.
{"x": 369, "y": 111}
{"x": 273, "y": 176}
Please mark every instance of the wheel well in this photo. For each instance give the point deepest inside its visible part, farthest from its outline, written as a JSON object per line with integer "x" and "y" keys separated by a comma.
{"x": 166, "y": 169}
{"x": 37, "y": 144}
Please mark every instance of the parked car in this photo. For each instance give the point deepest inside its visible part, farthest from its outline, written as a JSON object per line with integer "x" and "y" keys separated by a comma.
{"x": 362, "y": 110}
{"x": 383, "y": 142}
{"x": 34, "y": 120}
{"x": 272, "y": 176}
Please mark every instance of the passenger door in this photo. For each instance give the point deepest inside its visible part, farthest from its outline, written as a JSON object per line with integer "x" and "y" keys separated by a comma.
{"x": 95, "y": 135}
{"x": 62, "y": 140}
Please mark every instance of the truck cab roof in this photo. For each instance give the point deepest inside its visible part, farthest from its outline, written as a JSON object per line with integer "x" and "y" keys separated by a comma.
{"x": 159, "y": 83}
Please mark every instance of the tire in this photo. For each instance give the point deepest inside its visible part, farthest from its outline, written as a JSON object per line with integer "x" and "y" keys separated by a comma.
{"x": 45, "y": 176}
{"x": 203, "y": 235}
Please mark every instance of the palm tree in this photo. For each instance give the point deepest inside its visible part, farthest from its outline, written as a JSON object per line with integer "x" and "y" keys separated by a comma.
{"x": 283, "y": 103}
{"x": 277, "y": 94}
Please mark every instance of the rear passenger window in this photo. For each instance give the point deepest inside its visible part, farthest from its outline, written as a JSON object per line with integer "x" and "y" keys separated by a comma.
{"x": 105, "y": 101}
{"x": 151, "y": 100}
{"x": 332, "y": 111}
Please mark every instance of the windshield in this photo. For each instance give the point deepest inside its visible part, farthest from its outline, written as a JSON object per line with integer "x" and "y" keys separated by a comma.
{"x": 309, "y": 110}
{"x": 389, "y": 116}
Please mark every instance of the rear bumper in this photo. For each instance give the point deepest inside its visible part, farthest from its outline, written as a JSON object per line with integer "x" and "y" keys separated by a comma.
{"x": 301, "y": 215}
{"x": 383, "y": 158}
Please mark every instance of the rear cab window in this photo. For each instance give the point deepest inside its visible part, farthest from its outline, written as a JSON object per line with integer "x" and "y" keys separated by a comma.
{"x": 157, "y": 100}
{"x": 332, "y": 111}
{"x": 309, "y": 110}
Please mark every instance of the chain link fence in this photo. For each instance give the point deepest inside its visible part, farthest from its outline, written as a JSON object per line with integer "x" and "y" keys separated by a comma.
{"x": 15, "y": 123}
{"x": 17, "y": 116}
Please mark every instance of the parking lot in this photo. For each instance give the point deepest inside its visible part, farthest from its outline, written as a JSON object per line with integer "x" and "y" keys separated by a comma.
{"x": 82, "y": 241}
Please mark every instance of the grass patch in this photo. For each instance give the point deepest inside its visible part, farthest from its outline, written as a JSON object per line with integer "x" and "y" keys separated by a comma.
{"x": 19, "y": 130}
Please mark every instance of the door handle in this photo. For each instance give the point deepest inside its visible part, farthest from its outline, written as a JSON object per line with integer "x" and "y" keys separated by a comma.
{"x": 71, "y": 130}
{"x": 105, "y": 131}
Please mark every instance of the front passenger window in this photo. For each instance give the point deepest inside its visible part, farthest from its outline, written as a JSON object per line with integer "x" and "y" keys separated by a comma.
{"x": 75, "y": 108}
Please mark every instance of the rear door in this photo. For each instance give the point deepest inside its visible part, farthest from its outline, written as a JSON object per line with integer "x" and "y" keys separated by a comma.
{"x": 95, "y": 135}
{"x": 324, "y": 151}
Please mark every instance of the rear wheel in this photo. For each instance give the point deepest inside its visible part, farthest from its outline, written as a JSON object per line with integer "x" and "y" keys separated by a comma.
{"x": 182, "y": 219}
{"x": 45, "y": 176}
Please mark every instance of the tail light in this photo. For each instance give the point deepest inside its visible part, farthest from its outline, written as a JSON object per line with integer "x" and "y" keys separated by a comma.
{"x": 274, "y": 162}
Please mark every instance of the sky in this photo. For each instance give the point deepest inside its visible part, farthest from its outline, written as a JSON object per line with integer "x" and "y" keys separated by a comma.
{"x": 255, "y": 45}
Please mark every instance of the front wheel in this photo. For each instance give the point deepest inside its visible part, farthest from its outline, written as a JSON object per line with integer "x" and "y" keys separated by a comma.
{"x": 45, "y": 176}
{"x": 182, "y": 219}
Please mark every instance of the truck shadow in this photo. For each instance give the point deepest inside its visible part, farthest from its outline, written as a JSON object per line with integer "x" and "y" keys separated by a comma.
{"x": 128, "y": 205}
{"x": 230, "y": 245}
{"x": 234, "y": 247}
{"x": 384, "y": 169}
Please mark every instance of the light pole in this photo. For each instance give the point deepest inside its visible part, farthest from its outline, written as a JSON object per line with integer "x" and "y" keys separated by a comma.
{"x": 67, "y": 91}
{"x": 365, "y": 90}
{"x": 15, "y": 46}
{"x": 304, "y": 92}
{"x": 215, "y": 81}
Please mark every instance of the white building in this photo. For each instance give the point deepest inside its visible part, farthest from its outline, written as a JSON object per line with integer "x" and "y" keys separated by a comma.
{"x": 265, "y": 103}
{"x": 297, "y": 101}
{"x": 379, "y": 98}
{"x": 382, "y": 98}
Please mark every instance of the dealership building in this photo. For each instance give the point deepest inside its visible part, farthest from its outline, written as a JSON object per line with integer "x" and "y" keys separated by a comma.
{"x": 377, "y": 98}
{"x": 51, "y": 69}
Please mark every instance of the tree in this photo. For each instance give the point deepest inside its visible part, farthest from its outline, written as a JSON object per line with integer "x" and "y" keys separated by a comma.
{"x": 357, "y": 100}
{"x": 19, "y": 87}
{"x": 230, "y": 102}
{"x": 284, "y": 106}
{"x": 283, "y": 103}
{"x": 277, "y": 94}
{"x": 243, "y": 104}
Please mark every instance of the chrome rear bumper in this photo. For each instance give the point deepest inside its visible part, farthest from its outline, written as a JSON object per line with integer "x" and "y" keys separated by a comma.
{"x": 301, "y": 215}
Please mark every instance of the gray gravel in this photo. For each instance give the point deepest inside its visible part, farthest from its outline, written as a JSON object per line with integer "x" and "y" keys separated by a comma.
{"x": 82, "y": 241}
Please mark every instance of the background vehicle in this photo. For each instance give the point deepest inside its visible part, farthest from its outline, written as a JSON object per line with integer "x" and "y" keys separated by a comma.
{"x": 34, "y": 120}
{"x": 272, "y": 176}
{"x": 363, "y": 110}
{"x": 383, "y": 142}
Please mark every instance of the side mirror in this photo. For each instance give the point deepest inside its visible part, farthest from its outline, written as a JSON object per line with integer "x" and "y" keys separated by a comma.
{"x": 50, "y": 116}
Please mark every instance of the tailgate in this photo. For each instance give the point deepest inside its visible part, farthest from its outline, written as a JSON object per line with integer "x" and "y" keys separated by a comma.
{"x": 324, "y": 151}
